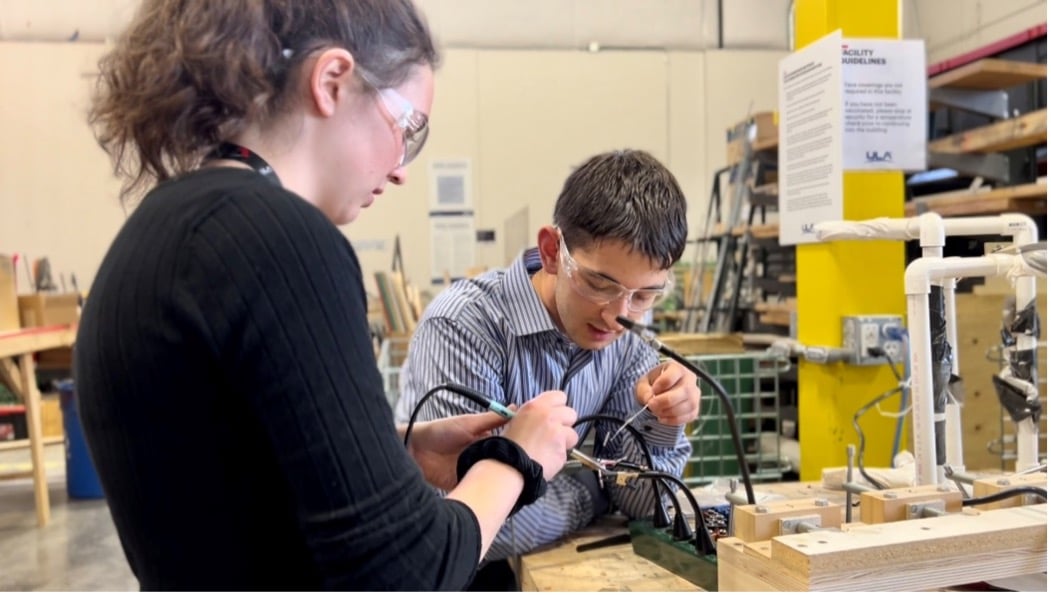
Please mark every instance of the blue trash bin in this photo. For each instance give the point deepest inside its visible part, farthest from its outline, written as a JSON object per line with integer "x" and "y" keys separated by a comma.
{"x": 82, "y": 481}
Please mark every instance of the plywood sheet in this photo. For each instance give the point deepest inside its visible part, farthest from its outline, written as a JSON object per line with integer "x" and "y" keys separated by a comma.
{"x": 990, "y": 74}
{"x": 1024, "y": 131}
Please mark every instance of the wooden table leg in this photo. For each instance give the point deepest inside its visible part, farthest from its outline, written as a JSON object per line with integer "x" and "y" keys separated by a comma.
{"x": 36, "y": 438}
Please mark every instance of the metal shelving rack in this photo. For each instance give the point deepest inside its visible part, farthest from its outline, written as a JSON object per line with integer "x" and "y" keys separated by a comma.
{"x": 751, "y": 380}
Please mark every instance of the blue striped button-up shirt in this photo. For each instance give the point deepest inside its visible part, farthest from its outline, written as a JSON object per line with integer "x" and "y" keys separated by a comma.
{"x": 493, "y": 334}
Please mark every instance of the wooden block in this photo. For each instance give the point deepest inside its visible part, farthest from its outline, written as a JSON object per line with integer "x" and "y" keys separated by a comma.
{"x": 1024, "y": 131}
{"x": 922, "y": 554}
{"x": 991, "y": 74}
{"x": 747, "y": 567}
{"x": 918, "y": 554}
{"x": 884, "y": 506}
{"x": 751, "y": 525}
{"x": 994, "y": 485}
{"x": 48, "y": 309}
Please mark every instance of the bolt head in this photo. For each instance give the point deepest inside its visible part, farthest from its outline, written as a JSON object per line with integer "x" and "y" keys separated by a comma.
{"x": 761, "y": 509}
{"x": 821, "y": 502}
{"x": 890, "y": 495}
{"x": 1003, "y": 482}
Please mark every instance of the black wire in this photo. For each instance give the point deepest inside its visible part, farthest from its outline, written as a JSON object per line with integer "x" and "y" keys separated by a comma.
{"x": 1007, "y": 494}
{"x": 861, "y": 435}
{"x": 731, "y": 419}
{"x": 893, "y": 366}
{"x": 640, "y": 441}
{"x": 453, "y": 388}
{"x": 703, "y": 539}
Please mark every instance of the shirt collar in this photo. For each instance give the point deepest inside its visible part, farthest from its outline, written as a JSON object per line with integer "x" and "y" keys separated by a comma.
{"x": 524, "y": 309}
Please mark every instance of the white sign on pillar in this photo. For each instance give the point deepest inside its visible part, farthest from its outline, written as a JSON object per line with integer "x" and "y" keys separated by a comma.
{"x": 884, "y": 104}
{"x": 810, "y": 137}
{"x": 845, "y": 104}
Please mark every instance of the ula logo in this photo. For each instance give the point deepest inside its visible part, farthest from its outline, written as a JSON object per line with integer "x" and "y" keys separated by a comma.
{"x": 808, "y": 228}
{"x": 877, "y": 157}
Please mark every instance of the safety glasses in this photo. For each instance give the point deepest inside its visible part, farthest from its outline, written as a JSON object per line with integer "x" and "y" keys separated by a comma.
{"x": 602, "y": 290}
{"x": 412, "y": 124}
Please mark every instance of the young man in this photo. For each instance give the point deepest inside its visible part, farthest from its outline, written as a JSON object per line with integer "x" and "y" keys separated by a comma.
{"x": 549, "y": 322}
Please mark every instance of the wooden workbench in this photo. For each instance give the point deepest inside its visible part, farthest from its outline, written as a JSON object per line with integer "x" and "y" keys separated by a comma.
{"x": 614, "y": 568}
{"x": 19, "y": 346}
{"x": 560, "y": 567}
{"x": 921, "y": 549}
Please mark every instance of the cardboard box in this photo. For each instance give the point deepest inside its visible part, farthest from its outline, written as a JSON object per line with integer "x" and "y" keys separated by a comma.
{"x": 47, "y": 309}
{"x": 8, "y": 295}
{"x": 765, "y": 135}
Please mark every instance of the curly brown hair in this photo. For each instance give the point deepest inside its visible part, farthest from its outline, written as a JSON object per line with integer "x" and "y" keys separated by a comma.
{"x": 188, "y": 74}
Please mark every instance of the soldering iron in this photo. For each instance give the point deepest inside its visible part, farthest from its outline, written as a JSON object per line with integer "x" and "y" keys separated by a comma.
{"x": 503, "y": 411}
{"x": 617, "y": 472}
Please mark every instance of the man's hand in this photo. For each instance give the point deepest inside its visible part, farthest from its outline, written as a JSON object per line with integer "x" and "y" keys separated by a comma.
{"x": 436, "y": 445}
{"x": 670, "y": 392}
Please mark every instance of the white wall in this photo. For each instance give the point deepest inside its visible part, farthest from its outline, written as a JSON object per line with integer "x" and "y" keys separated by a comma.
{"x": 954, "y": 27}
{"x": 523, "y": 118}
{"x": 57, "y": 195}
{"x": 674, "y": 24}
{"x": 523, "y": 114}
{"x": 951, "y": 27}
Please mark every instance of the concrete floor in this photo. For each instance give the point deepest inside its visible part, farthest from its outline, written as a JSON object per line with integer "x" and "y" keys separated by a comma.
{"x": 77, "y": 551}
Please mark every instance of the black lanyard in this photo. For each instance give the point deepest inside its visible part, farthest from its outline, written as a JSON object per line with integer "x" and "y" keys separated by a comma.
{"x": 246, "y": 156}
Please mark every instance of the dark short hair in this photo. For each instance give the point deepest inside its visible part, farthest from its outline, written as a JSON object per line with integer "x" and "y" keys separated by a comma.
{"x": 188, "y": 74}
{"x": 626, "y": 196}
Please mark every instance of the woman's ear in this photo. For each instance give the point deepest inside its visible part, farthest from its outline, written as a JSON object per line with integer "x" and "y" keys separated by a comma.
{"x": 548, "y": 240}
{"x": 331, "y": 79}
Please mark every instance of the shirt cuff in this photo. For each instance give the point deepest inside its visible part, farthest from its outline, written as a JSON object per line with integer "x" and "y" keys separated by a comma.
{"x": 656, "y": 433}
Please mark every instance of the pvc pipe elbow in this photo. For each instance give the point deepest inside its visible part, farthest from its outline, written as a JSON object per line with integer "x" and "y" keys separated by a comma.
{"x": 923, "y": 271}
{"x": 931, "y": 230}
{"x": 1020, "y": 227}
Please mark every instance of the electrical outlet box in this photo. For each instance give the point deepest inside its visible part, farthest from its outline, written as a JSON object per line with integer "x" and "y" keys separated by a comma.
{"x": 861, "y": 334}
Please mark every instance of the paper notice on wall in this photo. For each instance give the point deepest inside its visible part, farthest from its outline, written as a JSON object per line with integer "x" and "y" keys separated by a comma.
{"x": 452, "y": 245}
{"x": 810, "y": 145}
{"x": 450, "y": 185}
{"x": 884, "y": 104}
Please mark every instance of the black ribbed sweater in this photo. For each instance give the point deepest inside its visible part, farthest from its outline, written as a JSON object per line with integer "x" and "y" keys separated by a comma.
{"x": 234, "y": 410}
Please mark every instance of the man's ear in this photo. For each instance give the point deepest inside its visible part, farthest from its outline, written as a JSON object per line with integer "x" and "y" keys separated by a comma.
{"x": 547, "y": 240}
{"x": 331, "y": 79}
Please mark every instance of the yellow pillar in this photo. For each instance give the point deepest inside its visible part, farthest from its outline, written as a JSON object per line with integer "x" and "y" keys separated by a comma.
{"x": 848, "y": 278}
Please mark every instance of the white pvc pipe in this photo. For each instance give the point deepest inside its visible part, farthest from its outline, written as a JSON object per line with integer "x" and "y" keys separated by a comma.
{"x": 931, "y": 230}
{"x": 919, "y": 276}
{"x": 921, "y": 383}
{"x": 1022, "y": 230}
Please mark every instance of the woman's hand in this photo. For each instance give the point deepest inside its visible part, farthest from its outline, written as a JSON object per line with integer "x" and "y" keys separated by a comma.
{"x": 436, "y": 445}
